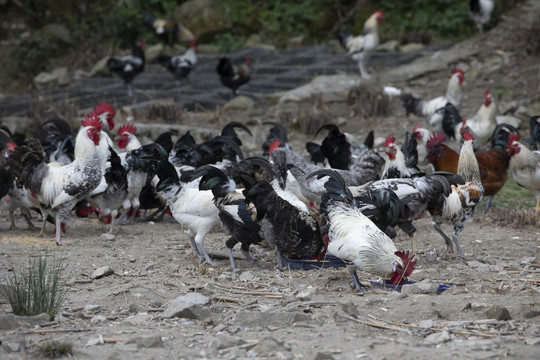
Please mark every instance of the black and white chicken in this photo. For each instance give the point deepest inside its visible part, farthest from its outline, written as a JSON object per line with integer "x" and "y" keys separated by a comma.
{"x": 128, "y": 67}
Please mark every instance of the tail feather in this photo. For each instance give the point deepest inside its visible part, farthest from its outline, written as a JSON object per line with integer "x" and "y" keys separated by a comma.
{"x": 228, "y": 130}
{"x": 410, "y": 150}
{"x": 501, "y": 134}
{"x": 370, "y": 140}
{"x": 411, "y": 103}
{"x": 451, "y": 119}
{"x": 315, "y": 153}
{"x": 213, "y": 179}
{"x": 335, "y": 187}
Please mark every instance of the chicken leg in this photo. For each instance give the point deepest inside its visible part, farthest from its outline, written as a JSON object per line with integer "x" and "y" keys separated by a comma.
{"x": 356, "y": 281}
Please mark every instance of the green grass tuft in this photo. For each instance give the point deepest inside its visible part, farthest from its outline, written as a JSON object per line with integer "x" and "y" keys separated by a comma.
{"x": 35, "y": 289}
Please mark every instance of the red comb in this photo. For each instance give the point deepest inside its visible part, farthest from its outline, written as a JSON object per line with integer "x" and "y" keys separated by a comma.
{"x": 11, "y": 145}
{"x": 104, "y": 108}
{"x": 389, "y": 140}
{"x": 435, "y": 139}
{"x": 417, "y": 127}
{"x": 467, "y": 135}
{"x": 513, "y": 137}
{"x": 379, "y": 13}
{"x": 463, "y": 124}
{"x": 273, "y": 146}
{"x": 92, "y": 119}
{"x": 408, "y": 262}
{"x": 247, "y": 61}
{"x": 127, "y": 128}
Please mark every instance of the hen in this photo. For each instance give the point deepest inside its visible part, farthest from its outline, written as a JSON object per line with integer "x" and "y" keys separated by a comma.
{"x": 480, "y": 12}
{"x": 236, "y": 216}
{"x": 357, "y": 240}
{"x": 428, "y": 108}
{"x": 525, "y": 165}
{"x": 181, "y": 66}
{"x": 128, "y": 67}
{"x": 483, "y": 123}
{"x": 285, "y": 227}
{"x": 59, "y": 187}
{"x": 362, "y": 47}
{"x": 233, "y": 76}
{"x": 401, "y": 163}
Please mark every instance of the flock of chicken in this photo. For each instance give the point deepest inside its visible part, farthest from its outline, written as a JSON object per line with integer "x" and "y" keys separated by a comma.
{"x": 349, "y": 207}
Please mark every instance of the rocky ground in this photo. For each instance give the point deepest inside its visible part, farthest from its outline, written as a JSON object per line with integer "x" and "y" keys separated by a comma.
{"x": 157, "y": 301}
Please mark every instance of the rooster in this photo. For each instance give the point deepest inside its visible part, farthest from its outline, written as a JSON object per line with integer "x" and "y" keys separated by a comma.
{"x": 192, "y": 208}
{"x": 362, "y": 47}
{"x": 451, "y": 119}
{"x": 277, "y": 132}
{"x": 480, "y": 12}
{"x": 428, "y": 108}
{"x": 285, "y": 227}
{"x": 459, "y": 206}
{"x": 525, "y": 165}
{"x": 233, "y": 76}
{"x": 181, "y": 66}
{"x": 401, "y": 163}
{"x": 59, "y": 187}
{"x": 493, "y": 162}
{"x": 128, "y": 67}
{"x": 357, "y": 240}
{"x": 483, "y": 123}
{"x": 534, "y": 128}
{"x": 236, "y": 216}
{"x": 106, "y": 114}
{"x": 167, "y": 31}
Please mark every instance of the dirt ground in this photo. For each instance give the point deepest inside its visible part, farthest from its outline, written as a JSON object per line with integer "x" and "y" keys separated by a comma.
{"x": 302, "y": 314}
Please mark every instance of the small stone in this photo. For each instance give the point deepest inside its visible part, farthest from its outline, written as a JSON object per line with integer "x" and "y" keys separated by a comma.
{"x": 10, "y": 346}
{"x": 438, "y": 338}
{"x": 426, "y": 324}
{"x": 135, "y": 308}
{"x": 93, "y": 342}
{"x": 350, "y": 309}
{"x": 498, "y": 312}
{"x": 102, "y": 271}
{"x": 146, "y": 341}
{"x": 431, "y": 256}
{"x": 531, "y": 314}
{"x": 246, "y": 276}
{"x": 132, "y": 259}
{"x": 533, "y": 342}
{"x": 266, "y": 347}
{"x": 150, "y": 267}
{"x": 138, "y": 319}
{"x": 108, "y": 237}
{"x": 321, "y": 356}
{"x": 223, "y": 342}
{"x": 188, "y": 306}
{"x": 98, "y": 319}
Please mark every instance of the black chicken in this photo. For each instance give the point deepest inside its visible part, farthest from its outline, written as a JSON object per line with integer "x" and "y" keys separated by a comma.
{"x": 128, "y": 67}
{"x": 451, "y": 119}
{"x": 284, "y": 226}
{"x": 277, "y": 132}
{"x": 233, "y": 76}
{"x": 236, "y": 216}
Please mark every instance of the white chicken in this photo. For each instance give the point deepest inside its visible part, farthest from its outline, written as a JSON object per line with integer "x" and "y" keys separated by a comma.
{"x": 181, "y": 66}
{"x": 357, "y": 240}
{"x": 525, "y": 165}
{"x": 480, "y": 12}
{"x": 428, "y": 108}
{"x": 59, "y": 187}
{"x": 362, "y": 47}
{"x": 483, "y": 123}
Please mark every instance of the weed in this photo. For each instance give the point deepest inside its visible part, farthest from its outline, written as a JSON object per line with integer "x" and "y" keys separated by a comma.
{"x": 35, "y": 289}
{"x": 56, "y": 349}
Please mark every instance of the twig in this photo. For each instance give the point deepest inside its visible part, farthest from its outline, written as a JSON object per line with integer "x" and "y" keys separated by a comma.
{"x": 47, "y": 331}
{"x": 346, "y": 18}
{"x": 228, "y": 299}
{"x": 113, "y": 340}
{"x": 373, "y": 324}
{"x": 530, "y": 280}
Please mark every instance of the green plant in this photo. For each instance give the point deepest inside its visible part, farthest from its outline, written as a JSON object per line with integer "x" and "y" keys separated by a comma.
{"x": 56, "y": 349}
{"x": 35, "y": 289}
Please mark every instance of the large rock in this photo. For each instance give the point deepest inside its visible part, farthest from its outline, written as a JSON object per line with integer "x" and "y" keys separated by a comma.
{"x": 334, "y": 86}
{"x": 189, "y": 306}
{"x": 204, "y": 18}
{"x": 56, "y": 78}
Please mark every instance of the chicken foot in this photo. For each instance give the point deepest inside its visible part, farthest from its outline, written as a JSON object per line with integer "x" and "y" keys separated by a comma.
{"x": 448, "y": 242}
{"x": 201, "y": 252}
{"x": 356, "y": 281}
{"x": 252, "y": 260}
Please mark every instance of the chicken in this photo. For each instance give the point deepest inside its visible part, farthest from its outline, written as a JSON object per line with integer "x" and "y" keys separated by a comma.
{"x": 106, "y": 114}
{"x": 459, "y": 206}
{"x": 525, "y": 166}
{"x": 401, "y": 163}
{"x": 167, "y": 31}
{"x": 451, "y": 119}
{"x": 428, "y": 108}
{"x": 233, "y": 76}
{"x": 285, "y": 227}
{"x": 56, "y": 138}
{"x": 236, "y": 216}
{"x": 534, "y": 128}
{"x": 483, "y": 123}
{"x": 480, "y": 12}
{"x": 493, "y": 162}
{"x": 277, "y": 132}
{"x": 181, "y": 66}
{"x": 7, "y": 146}
{"x": 128, "y": 67}
{"x": 338, "y": 148}
{"x": 417, "y": 194}
{"x": 362, "y": 47}
{"x": 192, "y": 208}
{"x": 362, "y": 170}
{"x": 59, "y": 187}
{"x": 357, "y": 240}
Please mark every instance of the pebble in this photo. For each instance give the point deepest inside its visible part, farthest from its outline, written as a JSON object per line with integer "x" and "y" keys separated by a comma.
{"x": 266, "y": 347}
{"x": 438, "y": 338}
{"x": 146, "y": 341}
{"x": 189, "y": 306}
{"x": 91, "y": 309}
{"x": 498, "y": 312}
{"x": 108, "y": 237}
{"x": 137, "y": 319}
{"x": 426, "y": 324}
{"x": 246, "y": 276}
{"x": 98, "y": 319}
{"x": 102, "y": 271}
